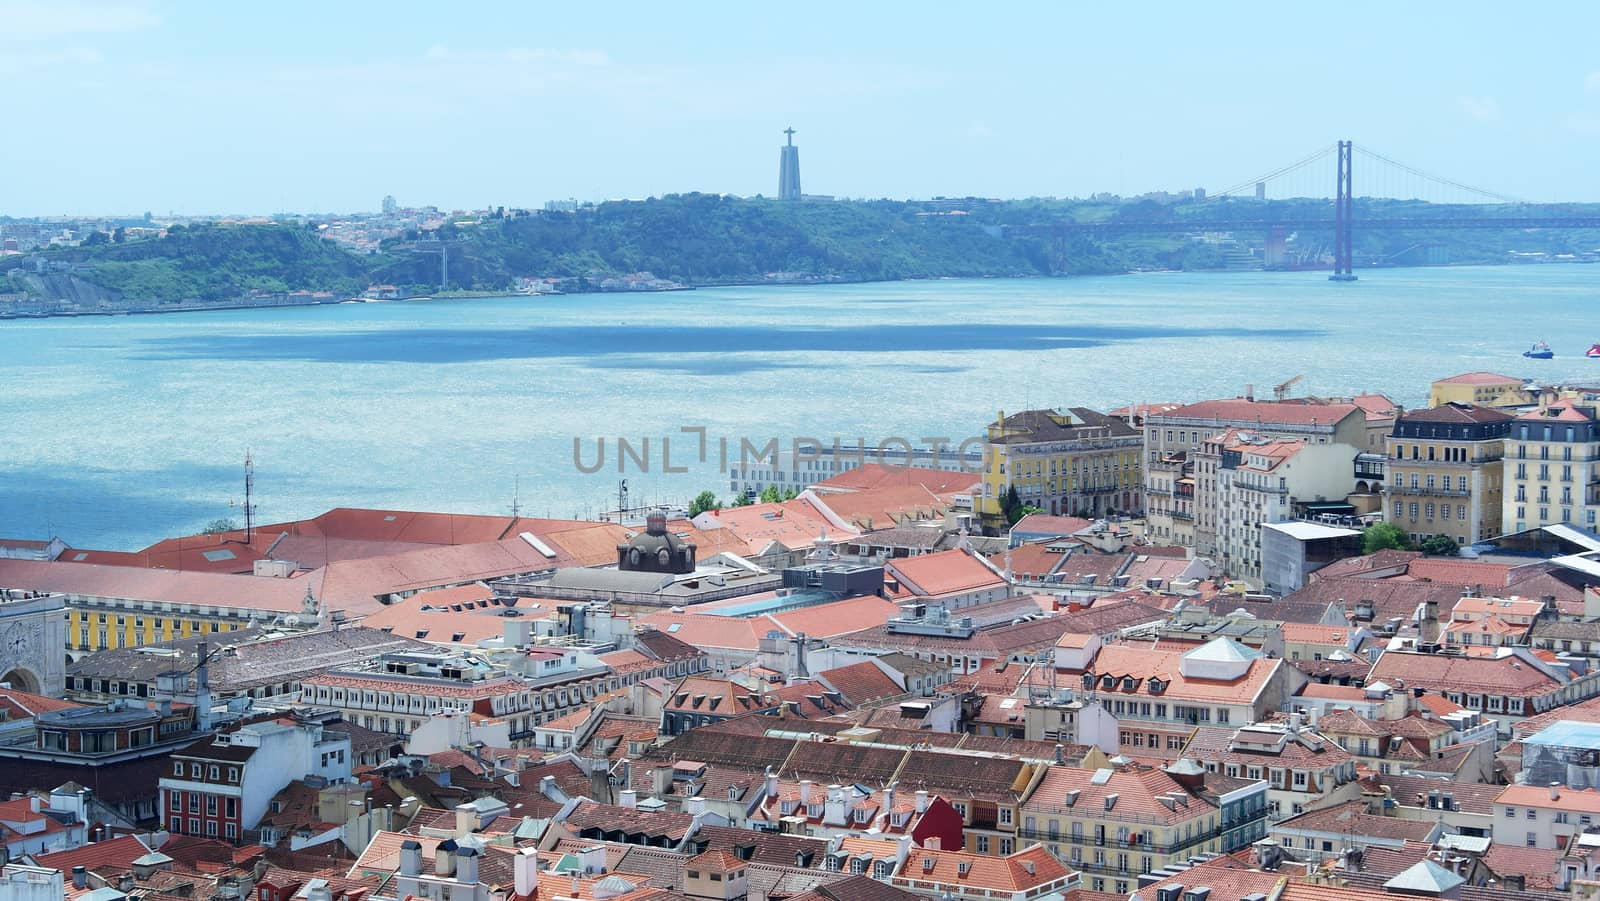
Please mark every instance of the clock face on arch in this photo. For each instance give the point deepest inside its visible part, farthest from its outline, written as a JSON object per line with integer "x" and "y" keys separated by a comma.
{"x": 19, "y": 642}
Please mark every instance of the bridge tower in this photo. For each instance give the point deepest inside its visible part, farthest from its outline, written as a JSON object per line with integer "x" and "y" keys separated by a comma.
{"x": 1343, "y": 208}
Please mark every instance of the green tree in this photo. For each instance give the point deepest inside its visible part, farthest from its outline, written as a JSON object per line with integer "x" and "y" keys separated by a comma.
{"x": 790, "y": 494}
{"x": 1440, "y": 546}
{"x": 702, "y": 502}
{"x": 96, "y": 238}
{"x": 1011, "y": 504}
{"x": 742, "y": 499}
{"x": 771, "y": 495}
{"x": 220, "y": 525}
{"x": 1381, "y": 536}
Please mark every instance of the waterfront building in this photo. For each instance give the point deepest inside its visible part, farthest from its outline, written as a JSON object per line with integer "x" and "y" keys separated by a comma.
{"x": 1552, "y": 469}
{"x": 789, "y": 168}
{"x": 1481, "y": 389}
{"x": 1179, "y": 511}
{"x": 1073, "y": 462}
{"x": 1445, "y": 474}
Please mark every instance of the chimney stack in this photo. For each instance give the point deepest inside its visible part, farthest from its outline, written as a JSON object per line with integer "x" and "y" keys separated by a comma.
{"x": 805, "y": 791}
{"x": 628, "y": 798}
{"x": 525, "y": 871}
{"x": 411, "y": 858}
{"x": 772, "y": 784}
{"x": 922, "y": 800}
{"x": 467, "y": 866}
{"x": 80, "y": 877}
{"x": 444, "y": 858}
{"x": 1555, "y": 791}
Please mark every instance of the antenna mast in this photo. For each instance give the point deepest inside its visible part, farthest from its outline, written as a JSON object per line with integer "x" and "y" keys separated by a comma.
{"x": 249, "y": 505}
{"x": 622, "y": 500}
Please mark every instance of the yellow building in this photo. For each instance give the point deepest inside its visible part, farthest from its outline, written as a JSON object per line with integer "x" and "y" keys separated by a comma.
{"x": 1065, "y": 463}
{"x": 1552, "y": 468}
{"x": 96, "y": 627}
{"x": 1481, "y": 389}
{"x": 1445, "y": 472}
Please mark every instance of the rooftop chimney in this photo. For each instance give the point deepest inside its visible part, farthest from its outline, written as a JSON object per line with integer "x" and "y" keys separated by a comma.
{"x": 525, "y": 871}
{"x": 80, "y": 877}
{"x": 922, "y": 800}
{"x": 1555, "y": 791}
{"x": 411, "y": 858}
{"x": 628, "y": 798}
{"x": 444, "y": 858}
{"x": 467, "y": 866}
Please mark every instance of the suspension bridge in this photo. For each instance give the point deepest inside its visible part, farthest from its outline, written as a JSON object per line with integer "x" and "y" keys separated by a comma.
{"x": 1397, "y": 197}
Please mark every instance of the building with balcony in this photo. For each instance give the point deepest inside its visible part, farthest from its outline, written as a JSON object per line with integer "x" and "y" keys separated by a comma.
{"x": 1186, "y": 429}
{"x": 1260, "y": 480}
{"x": 1073, "y": 462}
{"x": 1304, "y": 769}
{"x": 1445, "y": 472}
{"x": 1552, "y": 469}
{"x": 1116, "y": 824}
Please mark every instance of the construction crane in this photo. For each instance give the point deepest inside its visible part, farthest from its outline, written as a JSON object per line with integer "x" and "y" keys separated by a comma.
{"x": 1281, "y": 390}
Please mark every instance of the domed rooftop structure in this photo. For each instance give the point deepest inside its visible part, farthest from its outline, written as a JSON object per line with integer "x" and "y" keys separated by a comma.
{"x": 655, "y": 550}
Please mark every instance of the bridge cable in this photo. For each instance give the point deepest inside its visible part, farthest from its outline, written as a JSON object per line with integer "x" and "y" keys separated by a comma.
{"x": 1320, "y": 154}
{"x": 1493, "y": 195}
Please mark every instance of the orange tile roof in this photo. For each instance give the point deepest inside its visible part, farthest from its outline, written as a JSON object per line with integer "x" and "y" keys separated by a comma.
{"x": 1459, "y": 572}
{"x": 1584, "y": 801}
{"x": 1266, "y": 413}
{"x": 22, "y": 705}
{"x": 882, "y": 508}
{"x": 1143, "y": 663}
{"x": 876, "y": 475}
{"x": 1479, "y": 378}
{"x": 1136, "y": 791}
{"x": 209, "y": 589}
{"x": 1027, "y": 869}
{"x": 479, "y": 617}
{"x": 1306, "y": 633}
{"x": 943, "y": 572}
{"x": 794, "y": 524}
{"x": 1495, "y": 675}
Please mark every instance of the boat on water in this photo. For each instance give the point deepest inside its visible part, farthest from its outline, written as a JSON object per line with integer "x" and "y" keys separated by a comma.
{"x": 1593, "y": 352}
{"x": 1539, "y": 351}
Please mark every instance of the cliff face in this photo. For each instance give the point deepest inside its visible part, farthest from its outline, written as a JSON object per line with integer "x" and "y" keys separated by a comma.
{"x": 69, "y": 290}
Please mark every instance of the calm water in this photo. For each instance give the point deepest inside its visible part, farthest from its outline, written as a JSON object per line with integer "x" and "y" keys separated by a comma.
{"x": 122, "y": 430}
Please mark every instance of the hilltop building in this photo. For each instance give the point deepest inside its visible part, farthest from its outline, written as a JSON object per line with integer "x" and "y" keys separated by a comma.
{"x": 1065, "y": 462}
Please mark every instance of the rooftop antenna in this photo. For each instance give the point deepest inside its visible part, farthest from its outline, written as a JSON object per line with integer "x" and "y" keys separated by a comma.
{"x": 622, "y": 499}
{"x": 516, "y": 494}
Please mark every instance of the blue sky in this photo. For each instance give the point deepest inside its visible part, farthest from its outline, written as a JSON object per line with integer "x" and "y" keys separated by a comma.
{"x": 261, "y": 107}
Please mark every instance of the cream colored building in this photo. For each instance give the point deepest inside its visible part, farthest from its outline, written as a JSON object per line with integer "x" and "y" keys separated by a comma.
{"x": 1483, "y": 389}
{"x": 1552, "y": 469}
{"x": 1445, "y": 473}
{"x": 1064, "y": 462}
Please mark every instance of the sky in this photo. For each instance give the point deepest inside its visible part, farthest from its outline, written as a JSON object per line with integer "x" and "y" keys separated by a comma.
{"x": 203, "y": 107}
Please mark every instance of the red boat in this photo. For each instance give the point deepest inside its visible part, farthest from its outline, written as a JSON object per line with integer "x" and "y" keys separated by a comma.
{"x": 1593, "y": 352}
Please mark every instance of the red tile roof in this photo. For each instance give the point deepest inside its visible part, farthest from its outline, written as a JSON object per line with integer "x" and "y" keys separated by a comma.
{"x": 861, "y": 683}
{"x": 1136, "y": 793}
{"x": 876, "y": 475}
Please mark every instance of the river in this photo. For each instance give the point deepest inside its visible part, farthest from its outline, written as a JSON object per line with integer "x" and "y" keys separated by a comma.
{"x": 123, "y": 430}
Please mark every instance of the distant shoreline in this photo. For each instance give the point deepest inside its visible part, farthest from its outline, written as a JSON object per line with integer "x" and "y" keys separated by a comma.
{"x": 812, "y": 283}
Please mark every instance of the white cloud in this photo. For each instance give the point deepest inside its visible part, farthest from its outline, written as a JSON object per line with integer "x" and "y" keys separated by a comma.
{"x": 1592, "y": 83}
{"x": 31, "y": 20}
{"x": 1483, "y": 109}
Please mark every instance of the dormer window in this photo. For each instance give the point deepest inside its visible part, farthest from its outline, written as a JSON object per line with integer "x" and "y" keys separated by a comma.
{"x": 787, "y": 807}
{"x": 861, "y": 814}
